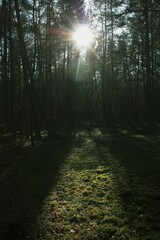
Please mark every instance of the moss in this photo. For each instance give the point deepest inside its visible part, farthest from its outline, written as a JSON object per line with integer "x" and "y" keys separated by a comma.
{"x": 113, "y": 220}
{"x": 86, "y": 179}
{"x": 86, "y": 193}
{"x": 48, "y": 237}
{"x": 125, "y": 233}
{"x": 102, "y": 193}
{"x": 101, "y": 170}
{"x": 93, "y": 215}
{"x": 102, "y": 177}
{"x": 126, "y": 193}
{"x": 141, "y": 226}
{"x": 93, "y": 201}
{"x": 152, "y": 236}
{"x": 106, "y": 231}
{"x": 77, "y": 218}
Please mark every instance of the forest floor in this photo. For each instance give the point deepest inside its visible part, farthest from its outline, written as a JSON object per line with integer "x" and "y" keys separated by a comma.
{"x": 89, "y": 186}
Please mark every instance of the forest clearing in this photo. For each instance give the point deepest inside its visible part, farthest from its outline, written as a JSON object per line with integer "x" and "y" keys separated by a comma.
{"x": 89, "y": 185}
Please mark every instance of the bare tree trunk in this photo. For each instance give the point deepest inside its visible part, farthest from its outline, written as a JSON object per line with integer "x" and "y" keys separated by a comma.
{"x": 28, "y": 76}
{"x": 5, "y": 66}
{"x": 103, "y": 81}
{"x": 12, "y": 75}
{"x": 148, "y": 87}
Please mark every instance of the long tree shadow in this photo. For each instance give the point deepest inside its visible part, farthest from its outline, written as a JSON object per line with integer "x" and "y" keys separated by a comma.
{"x": 135, "y": 163}
{"x": 26, "y": 179}
{"x": 136, "y": 152}
{"x": 108, "y": 189}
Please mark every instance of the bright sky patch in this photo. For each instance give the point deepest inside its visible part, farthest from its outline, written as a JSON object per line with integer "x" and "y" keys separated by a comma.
{"x": 83, "y": 36}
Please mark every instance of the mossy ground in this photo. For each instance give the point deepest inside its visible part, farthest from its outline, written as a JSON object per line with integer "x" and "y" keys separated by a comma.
{"x": 91, "y": 186}
{"x": 108, "y": 188}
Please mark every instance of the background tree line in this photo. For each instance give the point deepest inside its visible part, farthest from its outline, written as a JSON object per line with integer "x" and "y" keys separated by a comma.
{"x": 48, "y": 83}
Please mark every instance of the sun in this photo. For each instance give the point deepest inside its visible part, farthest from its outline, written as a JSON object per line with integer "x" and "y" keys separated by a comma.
{"x": 83, "y": 36}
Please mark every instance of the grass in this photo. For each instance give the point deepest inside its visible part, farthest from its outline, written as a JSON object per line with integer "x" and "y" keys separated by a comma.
{"x": 91, "y": 186}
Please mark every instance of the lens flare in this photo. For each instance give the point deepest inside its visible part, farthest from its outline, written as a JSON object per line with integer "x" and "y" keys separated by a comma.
{"x": 83, "y": 36}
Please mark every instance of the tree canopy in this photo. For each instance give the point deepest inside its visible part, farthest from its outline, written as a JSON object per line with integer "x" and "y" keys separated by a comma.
{"x": 49, "y": 82}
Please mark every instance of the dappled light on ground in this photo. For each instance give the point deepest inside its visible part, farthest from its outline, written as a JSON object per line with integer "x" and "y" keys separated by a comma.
{"x": 103, "y": 191}
{"x": 94, "y": 185}
{"x": 85, "y": 203}
{"x": 26, "y": 177}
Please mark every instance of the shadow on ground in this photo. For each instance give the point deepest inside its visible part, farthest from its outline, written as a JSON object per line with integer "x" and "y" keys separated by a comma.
{"x": 26, "y": 178}
{"x": 136, "y": 152}
{"x": 134, "y": 160}
{"x": 110, "y": 185}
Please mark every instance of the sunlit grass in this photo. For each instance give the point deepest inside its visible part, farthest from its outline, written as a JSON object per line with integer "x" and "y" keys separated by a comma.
{"x": 86, "y": 202}
{"x": 94, "y": 185}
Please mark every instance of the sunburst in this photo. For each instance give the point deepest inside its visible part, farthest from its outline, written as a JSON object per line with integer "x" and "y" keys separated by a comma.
{"x": 83, "y": 36}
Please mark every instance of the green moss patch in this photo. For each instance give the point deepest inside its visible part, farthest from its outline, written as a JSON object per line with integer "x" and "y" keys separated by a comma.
{"x": 91, "y": 186}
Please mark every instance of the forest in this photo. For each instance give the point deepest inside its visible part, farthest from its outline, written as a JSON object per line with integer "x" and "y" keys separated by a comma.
{"x": 79, "y": 119}
{"x": 49, "y": 83}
